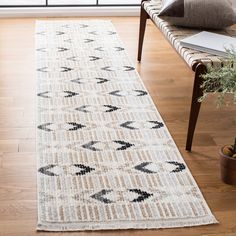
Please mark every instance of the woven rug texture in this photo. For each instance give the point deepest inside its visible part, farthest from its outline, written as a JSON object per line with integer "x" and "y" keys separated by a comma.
{"x": 105, "y": 157}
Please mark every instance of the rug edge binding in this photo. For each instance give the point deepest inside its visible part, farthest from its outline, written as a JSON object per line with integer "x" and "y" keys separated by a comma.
{"x": 124, "y": 225}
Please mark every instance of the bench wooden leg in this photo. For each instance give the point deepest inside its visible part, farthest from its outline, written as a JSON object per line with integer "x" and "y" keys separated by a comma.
{"x": 195, "y": 106}
{"x": 142, "y": 26}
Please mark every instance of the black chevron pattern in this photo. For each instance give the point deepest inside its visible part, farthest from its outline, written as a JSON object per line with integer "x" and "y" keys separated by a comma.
{"x": 99, "y": 49}
{"x": 141, "y": 93}
{"x": 138, "y": 93}
{"x": 62, "y": 49}
{"x": 84, "y": 169}
{"x": 66, "y": 170}
{"x": 101, "y": 80}
{"x": 46, "y": 170}
{"x": 90, "y": 146}
{"x": 157, "y": 124}
{"x": 124, "y": 145}
{"x": 75, "y": 125}
{"x": 83, "y": 109}
{"x": 60, "y": 32}
{"x": 107, "y": 68}
{"x": 65, "y": 69}
{"x": 143, "y": 167}
{"x": 116, "y": 93}
{"x": 179, "y": 166}
{"x": 127, "y": 125}
{"x": 89, "y": 40}
{"x": 118, "y": 49}
{"x": 111, "y": 108}
{"x": 128, "y": 68}
{"x": 72, "y": 58}
{"x": 45, "y": 127}
{"x": 143, "y": 195}
{"x": 70, "y": 94}
{"x": 93, "y": 32}
{"x": 94, "y": 58}
{"x": 43, "y": 69}
{"x": 41, "y": 49}
{"x": 100, "y": 196}
{"x": 44, "y": 94}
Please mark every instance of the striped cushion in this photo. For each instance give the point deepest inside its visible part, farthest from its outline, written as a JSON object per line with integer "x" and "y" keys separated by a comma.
{"x": 174, "y": 34}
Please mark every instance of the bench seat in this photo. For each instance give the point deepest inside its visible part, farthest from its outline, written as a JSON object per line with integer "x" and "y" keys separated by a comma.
{"x": 174, "y": 34}
{"x": 196, "y": 60}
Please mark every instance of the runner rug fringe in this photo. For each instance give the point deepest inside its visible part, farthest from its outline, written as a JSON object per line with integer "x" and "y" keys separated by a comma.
{"x": 105, "y": 157}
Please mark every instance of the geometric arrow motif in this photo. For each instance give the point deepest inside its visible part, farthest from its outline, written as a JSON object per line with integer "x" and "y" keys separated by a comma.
{"x": 83, "y": 108}
{"x": 129, "y": 68}
{"x": 118, "y": 49}
{"x": 124, "y": 68}
{"x": 157, "y": 124}
{"x": 111, "y": 108}
{"x": 101, "y": 80}
{"x": 61, "y": 49}
{"x": 127, "y": 125}
{"x": 44, "y": 127}
{"x": 48, "y": 94}
{"x": 180, "y": 166}
{"x": 65, "y": 69}
{"x": 90, "y": 80}
{"x": 74, "y": 125}
{"x": 93, "y": 32}
{"x": 41, "y": 50}
{"x": 84, "y": 169}
{"x": 43, "y": 94}
{"x": 125, "y": 145}
{"x": 66, "y": 170}
{"x": 88, "y": 40}
{"x": 43, "y": 69}
{"x": 90, "y": 146}
{"x": 100, "y": 196}
{"x": 140, "y": 93}
{"x": 45, "y": 170}
{"x": 142, "y": 195}
{"x": 59, "y": 33}
{"x": 141, "y": 167}
{"x": 70, "y": 94}
{"x": 107, "y": 68}
{"x": 93, "y": 58}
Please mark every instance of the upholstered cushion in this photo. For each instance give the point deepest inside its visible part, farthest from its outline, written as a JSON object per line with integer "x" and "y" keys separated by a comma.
{"x": 208, "y": 14}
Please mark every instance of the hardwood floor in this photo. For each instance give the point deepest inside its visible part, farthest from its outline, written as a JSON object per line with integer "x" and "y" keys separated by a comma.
{"x": 169, "y": 82}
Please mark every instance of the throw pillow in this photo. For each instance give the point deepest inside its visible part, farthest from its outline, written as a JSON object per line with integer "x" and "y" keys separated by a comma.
{"x": 207, "y": 14}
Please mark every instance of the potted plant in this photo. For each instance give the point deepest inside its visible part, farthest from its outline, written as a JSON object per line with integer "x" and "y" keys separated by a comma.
{"x": 223, "y": 81}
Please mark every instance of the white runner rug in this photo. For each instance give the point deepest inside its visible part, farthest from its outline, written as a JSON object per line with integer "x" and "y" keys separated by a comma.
{"x": 105, "y": 157}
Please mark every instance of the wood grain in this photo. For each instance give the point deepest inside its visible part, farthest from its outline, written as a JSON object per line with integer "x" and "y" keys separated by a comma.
{"x": 169, "y": 82}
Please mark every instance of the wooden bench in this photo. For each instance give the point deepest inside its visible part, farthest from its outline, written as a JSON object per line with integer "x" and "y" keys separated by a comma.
{"x": 196, "y": 60}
